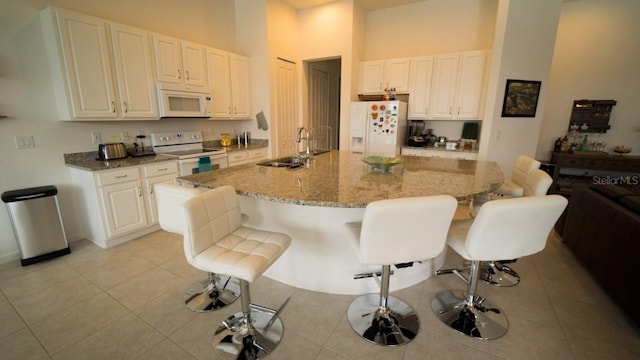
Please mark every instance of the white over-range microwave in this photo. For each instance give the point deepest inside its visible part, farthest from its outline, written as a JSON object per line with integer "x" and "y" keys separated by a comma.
{"x": 183, "y": 101}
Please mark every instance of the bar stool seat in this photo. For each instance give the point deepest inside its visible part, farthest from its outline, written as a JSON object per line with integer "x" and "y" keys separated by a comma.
{"x": 213, "y": 292}
{"x": 387, "y": 236}
{"x": 215, "y": 241}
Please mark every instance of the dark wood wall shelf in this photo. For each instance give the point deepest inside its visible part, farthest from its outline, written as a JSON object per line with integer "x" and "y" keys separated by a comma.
{"x": 591, "y": 116}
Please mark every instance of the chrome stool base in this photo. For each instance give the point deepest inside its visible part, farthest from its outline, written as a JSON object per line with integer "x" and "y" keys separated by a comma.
{"x": 480, "y": 320}
{"x": 235, "y": 340}
{"x": 213, "y": 293}
{"x": 395, "y": 325}
{"x": 498, "y": 274}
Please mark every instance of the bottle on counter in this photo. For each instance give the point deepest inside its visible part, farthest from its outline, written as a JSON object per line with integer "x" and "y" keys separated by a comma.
{"x": 564, "y": 145}
{"x": 558, "y": 145}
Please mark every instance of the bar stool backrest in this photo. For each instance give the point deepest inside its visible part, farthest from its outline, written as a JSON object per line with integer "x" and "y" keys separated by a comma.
{"x": 521, "y": 169}
{"x": 513, "y": 228}
{"x": 403, "y": 230}
{"x": 169, "y": 200}
{"x": 538, "y": 183}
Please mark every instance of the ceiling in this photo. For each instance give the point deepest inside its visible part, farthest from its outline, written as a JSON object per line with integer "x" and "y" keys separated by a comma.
{"x": 365, "y": 4}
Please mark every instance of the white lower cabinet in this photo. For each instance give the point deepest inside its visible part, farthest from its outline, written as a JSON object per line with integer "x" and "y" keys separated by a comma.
{"x": 118, "y": 205}
{"x": 246, "y": 156}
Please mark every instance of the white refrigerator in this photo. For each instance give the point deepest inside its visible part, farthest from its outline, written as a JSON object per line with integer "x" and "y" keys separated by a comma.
{"x": 378, "y": 127}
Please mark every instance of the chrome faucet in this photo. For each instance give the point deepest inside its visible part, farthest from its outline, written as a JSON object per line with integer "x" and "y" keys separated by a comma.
{"x": 299, "y": 139}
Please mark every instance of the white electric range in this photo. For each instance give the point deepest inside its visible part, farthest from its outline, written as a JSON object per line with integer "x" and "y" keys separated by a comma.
{"x": 187, "y": 147}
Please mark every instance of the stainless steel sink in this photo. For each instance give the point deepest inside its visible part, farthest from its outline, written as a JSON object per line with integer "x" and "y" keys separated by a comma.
{"x": 287, "y": 161}
{"x": 290, "y": 161}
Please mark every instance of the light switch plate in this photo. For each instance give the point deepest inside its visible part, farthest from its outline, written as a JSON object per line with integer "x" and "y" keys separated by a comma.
{"x": 24, "y": 142}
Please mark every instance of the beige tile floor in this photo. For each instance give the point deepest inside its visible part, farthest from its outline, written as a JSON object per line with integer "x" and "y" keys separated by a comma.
{"x": 126, "y": 303}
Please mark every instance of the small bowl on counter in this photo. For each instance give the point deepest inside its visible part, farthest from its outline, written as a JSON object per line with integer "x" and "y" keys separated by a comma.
{"x": 382, "y": 163}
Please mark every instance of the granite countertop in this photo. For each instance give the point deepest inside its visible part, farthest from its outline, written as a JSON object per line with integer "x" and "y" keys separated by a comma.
{"x": 89, "y": 160}
{"x": 341, "y": 179}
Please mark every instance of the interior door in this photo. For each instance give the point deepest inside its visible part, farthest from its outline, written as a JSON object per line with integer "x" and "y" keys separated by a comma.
{"x": 286, "y": 112}
{"x": 319, "y": 107}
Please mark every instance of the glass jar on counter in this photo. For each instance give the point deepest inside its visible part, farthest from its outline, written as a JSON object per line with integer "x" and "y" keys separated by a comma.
{"x": 225, "y": 140}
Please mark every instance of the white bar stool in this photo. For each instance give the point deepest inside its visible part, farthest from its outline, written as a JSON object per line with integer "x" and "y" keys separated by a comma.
{"x": 215, "y": 291}
{"x": 503, "y": 229}
{"x": 215, "y": 241}
{"x": 386, "y": 236}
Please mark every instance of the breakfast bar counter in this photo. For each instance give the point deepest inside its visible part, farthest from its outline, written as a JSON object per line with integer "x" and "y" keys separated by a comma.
{"x": 312, "y": 203}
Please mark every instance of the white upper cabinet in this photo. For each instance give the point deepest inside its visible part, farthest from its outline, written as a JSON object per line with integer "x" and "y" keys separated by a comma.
{"x": 134, "y": 72}
{"x": 470, "y": 81}
{"x": 229, "y": 83}
{"x": 457, "y": 86}
{"x": 80, "y": 67}
{"x": 98, "y": 75}
{"x": 420, "y": 87}
{"x": 179, "y": 62}
{"x": 443, "y": 90}
{"x": 375, "y": 76}
{"x": 371, "y": 77}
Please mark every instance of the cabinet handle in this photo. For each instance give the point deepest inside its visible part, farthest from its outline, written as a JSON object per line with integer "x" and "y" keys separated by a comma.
{"x": 121, "y": 176}
{"x": 113, "y": 106}
{"x": 151, "y": 189}
{"x": 186, "y": 74}
{"x": 138, "y": 191}
{"x": 450, "y": 108}
{"x": 163, "y": 169}
{"x": 178, "y": 74}
{"x": 229, "y": 110}
{"x": 126, "y": 106}
{"x": 235, "y": 110}
{"x": 458, "y": 110}
{"x": 426, "y": 111}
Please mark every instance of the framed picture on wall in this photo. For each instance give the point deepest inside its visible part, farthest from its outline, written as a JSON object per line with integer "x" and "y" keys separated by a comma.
{"x": 521, "y": 98}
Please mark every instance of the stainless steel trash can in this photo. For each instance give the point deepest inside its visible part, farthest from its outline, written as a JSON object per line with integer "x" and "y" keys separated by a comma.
{"x": 36, "y": 221}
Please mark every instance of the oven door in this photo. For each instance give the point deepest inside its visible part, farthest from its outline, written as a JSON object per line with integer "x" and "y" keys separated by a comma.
{"x": 195, "y": 165}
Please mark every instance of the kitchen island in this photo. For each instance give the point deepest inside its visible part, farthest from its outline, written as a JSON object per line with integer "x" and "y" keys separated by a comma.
{"x": 313, "y": 203}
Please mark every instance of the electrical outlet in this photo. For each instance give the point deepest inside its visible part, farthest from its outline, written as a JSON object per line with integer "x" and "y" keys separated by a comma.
{"x": 24, "y": 142}
{"x": 96, "y": 137}
{"x": 124, "y": 136}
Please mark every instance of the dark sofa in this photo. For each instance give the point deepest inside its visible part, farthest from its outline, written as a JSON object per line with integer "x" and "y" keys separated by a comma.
{"x": 602, "y": 228}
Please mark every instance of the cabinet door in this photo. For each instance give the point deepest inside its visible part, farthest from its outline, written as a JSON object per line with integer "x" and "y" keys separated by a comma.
{"x": 193, "y": 61}
{"x": 240, "y": 86}
{"x": 132, "y": 58}
{"x": 444, "y": 86}
{"x": 420, "y": 90}
{"x": 371, "y": 77}
{"x": 123, "y": 207}
{"x": 238, "y": 158}
{"x": 470, "y": 85}
{"x": 87, "y": 68}
{"x": 397, "y": 75}
{"x": 152, "y": 207}
{"x": 220, "y": 83}
{"x": 166, "y": 52}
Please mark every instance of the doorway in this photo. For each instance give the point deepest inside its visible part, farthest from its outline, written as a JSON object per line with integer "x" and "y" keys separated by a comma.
{"x": 323, "y": 81}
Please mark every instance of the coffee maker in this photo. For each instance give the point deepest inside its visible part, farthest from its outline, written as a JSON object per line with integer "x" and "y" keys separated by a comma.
{"x": 415, "y": 134}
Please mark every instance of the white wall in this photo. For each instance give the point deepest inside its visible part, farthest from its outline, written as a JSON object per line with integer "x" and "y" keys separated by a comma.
{"x": 27, "y": 95}
{"x": 596, "y": 57}
{"x": 327, "y": 32}
{"x": 430, "y": 27}
{"x": 523, "y": 49}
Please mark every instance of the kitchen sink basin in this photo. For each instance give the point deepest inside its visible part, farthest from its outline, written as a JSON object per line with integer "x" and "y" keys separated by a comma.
{"x": 289, "y": 161}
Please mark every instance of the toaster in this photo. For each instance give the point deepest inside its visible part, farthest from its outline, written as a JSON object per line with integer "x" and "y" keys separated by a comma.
{"x": 111, "y": 151}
